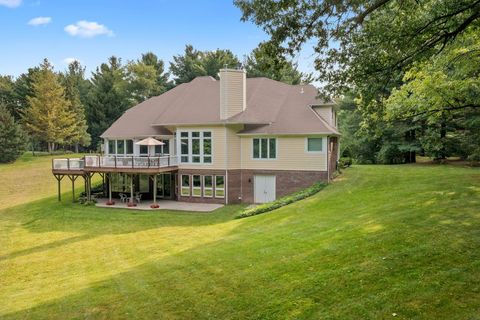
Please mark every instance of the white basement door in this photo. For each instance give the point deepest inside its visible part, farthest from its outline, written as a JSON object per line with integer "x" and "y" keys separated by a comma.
{"x": 264, "y": 188}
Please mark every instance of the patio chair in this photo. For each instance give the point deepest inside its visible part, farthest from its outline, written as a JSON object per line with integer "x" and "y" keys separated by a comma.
{"x": 123, "y": 197}
{"x": 138, "y": 197}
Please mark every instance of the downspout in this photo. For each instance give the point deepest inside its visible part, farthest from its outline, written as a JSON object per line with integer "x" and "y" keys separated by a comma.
{"x": 328, "y": 160}
{"x": 226, "y": 165}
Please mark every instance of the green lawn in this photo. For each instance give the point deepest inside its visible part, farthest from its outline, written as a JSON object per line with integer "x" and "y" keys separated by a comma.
{"x": 380, "y": 240}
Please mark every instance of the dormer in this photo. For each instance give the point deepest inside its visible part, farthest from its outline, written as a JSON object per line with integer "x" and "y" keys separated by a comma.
{"x": 327, "y": 112}
{"x": 233, "y": 92}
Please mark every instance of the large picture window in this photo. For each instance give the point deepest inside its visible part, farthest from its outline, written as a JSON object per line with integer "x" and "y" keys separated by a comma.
{"x": 184, "y": 147}
{"x": 197, "y": 186}
{"x": 111, "y": 147}
{"x": 315, "y": 144}
{"x": 163, "y": 149}
{"x": 264, "y": 148}
{"x": 219, "y": 186}
{"x": 129, "y": 146}
{"x": 185, "y": 191}
{"x": 208, "y": 186}
{"x": 120, "y": 147}
{"x": 196, "y": 147}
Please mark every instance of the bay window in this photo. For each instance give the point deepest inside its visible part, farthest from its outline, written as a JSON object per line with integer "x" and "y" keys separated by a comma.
{"x": 196, "y": 147}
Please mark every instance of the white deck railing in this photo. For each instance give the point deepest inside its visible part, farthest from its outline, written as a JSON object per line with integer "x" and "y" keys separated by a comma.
{"x": 121, "y": 162}
{"x": 68, "y": 164}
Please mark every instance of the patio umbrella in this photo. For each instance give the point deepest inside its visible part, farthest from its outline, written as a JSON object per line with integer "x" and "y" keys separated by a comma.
{"x": 150, "y": 142}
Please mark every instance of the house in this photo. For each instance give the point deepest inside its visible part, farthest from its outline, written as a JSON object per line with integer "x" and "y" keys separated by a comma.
{"x": 224, "y": 141}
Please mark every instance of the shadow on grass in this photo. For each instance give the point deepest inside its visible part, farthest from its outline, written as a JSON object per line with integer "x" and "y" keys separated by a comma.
{"x": 47, "y": 246}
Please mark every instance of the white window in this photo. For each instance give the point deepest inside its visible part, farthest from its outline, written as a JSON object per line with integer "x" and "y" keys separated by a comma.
{"x": 264, "y": 148}
{"x": 196, "y": 147}
{"x": 314, "y": 145}
{"x": 208, "y": 186}
{"x": 197, "y": 186}
{"x": 219, "y": 187}
{"x": 185, "y": 191}
{"x": 120, "y": 147}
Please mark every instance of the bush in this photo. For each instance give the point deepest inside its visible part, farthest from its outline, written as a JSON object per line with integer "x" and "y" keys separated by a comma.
{"x": 345, "y": 162}
{"x": 266, "y": 207}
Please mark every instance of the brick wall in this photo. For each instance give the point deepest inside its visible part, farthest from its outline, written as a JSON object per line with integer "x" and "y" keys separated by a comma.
{"x": 287, "y": 181}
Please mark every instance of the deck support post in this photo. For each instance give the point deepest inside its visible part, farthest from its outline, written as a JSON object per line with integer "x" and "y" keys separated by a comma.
{"x": 109, "y": 187}
{"x": 59, "y": 178}
{"x": 73, "y": 178}
{"x": 131, "y": 188}
{"x": 155, "y": 189}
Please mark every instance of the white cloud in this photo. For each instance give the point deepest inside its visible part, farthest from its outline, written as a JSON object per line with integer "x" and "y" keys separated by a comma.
{"x": 10, "y": 3}
{"x": 87, "y": 29}
{"x": 38, "y": 21}
{"x": 67, "y": 61}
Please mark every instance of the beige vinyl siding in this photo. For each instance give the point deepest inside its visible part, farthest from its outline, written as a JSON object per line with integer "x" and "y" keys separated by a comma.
{"x": 325, "y": 113}
{"x": 291, "y": 155}
{"x": 233, "y": 145}
{"x": 218, "y": 148}
{"x": 232, "y": 92}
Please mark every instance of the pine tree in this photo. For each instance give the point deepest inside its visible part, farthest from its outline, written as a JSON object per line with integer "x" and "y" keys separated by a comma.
{"x": 108, "y": 98}
{"x": 73, "y": 80}
{"x": 12, "y": 137}
{"x": 49, "y": 117}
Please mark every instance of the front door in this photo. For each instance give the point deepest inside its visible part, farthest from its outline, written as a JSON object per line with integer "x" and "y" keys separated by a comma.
{"x": 264, "y": 188}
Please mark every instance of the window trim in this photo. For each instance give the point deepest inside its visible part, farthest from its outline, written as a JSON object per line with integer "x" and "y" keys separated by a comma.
{"x": 315, "y": 152}
{"x": 260, "y": 149}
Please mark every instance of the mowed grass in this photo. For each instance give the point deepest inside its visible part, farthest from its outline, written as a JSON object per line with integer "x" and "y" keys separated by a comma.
{"x": 381, "y": 240}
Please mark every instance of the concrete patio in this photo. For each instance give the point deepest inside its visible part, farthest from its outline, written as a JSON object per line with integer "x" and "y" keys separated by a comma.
{"x": 164, "y": 205}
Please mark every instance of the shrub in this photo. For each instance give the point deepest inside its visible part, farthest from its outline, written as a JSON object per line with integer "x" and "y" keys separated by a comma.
{"x": 266, "y": 207}
{"x": 345, "y": 162}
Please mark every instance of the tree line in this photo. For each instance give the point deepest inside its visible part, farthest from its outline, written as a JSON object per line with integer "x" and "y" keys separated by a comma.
{"x": 406, "y": 72}
{"x": 43, "y": 109}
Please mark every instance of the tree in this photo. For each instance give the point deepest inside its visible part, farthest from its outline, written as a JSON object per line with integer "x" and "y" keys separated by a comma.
{"x": 49, "y": 117}
{"x": 367, "y": 44}
{"x": 108, "y": 98}
{"x": 74, "y": 81}
{"x": 194, "y": 63}
{"x": 12, "y": 137}
{"x": 266, "y": 61}
{"x": 22, "y": 90}
{"x": 7, "y": 93}
{"x": 443, "y": 94}
{"x": 147, "y": 77}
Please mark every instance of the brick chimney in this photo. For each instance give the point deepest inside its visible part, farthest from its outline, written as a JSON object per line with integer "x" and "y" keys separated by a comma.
{"x": 232, "y": 92}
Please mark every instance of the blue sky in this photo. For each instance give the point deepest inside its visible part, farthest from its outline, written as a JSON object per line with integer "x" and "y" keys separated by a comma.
{"x": 92, "y": 30}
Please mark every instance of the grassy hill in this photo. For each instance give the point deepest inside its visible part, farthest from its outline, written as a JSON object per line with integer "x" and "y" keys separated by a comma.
{"x": 381, "y": 240}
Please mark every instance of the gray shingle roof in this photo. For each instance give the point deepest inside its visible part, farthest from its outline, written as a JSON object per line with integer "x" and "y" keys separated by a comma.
{"x": 272, "y": 108}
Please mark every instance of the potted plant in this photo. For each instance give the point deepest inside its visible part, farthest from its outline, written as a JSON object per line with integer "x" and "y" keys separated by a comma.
{"x": 154, "y": 206}
{"x": 110, "y": 203}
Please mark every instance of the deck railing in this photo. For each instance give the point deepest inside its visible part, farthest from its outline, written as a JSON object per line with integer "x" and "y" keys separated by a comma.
{"x": 111, "y": 161}
{"x": 68, "y": 164}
